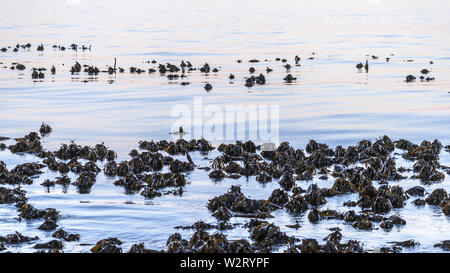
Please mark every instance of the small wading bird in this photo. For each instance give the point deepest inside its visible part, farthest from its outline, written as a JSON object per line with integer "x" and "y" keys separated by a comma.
{"x": 180, "y": 132}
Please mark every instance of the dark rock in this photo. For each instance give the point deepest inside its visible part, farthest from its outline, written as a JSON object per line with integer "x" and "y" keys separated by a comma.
{"x": 217, "y": 174}
{"x": 85, "y": 182}
{"x": 150, "y": 193}
{"x": 436, "y": 197}
{"x": 342, "y": 186}
{"x": 350, "y": 216}
{"x": 16, "y": 238}
{"x": 48, "y": 224}
{"x": 397, "y": 220}
{"x": 408, "y": 243}
{"x": 446, "y": 208}
{"x": 416, "y": 191}
{"x": 363, "y": 223}
{"x": 139, "y": 248}
{"x": 313, "y": 216}
{"x": 69, "y": 237}
{"x": 419, "y": 202}
{"x": 222, "y": 213}
{"x": 10, "y": 196}
{"x": 289, "y": 78}
{"x": 235, "y": 201}
{"x": 268, "y": 234}
{"x": 387, "y": 224}
{"x": 381, "y": 205}
{"x": 279, "y": 197}
{"x": 110, "y": 245}
{"x": 287, "y": 181}
{"x": 53, "y": 244}
{"x": 130, "y": 182}
{"x": 445, "y": 245}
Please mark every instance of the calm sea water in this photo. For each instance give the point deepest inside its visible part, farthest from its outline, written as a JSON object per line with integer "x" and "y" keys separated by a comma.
{"x": 330, "y": 101}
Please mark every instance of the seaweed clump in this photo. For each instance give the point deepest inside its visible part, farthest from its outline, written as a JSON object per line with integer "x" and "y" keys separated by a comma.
{"x": 234, "y": 200}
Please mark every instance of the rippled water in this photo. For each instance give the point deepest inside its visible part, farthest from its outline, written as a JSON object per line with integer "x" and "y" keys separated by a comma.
{"x": 330, "y": 101}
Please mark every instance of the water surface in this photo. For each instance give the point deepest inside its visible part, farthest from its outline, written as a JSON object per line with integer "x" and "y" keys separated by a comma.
{"x": 330, "y": 101}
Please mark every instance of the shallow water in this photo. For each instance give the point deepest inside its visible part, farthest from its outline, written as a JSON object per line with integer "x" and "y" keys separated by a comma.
{"x": 330, "y": 101}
